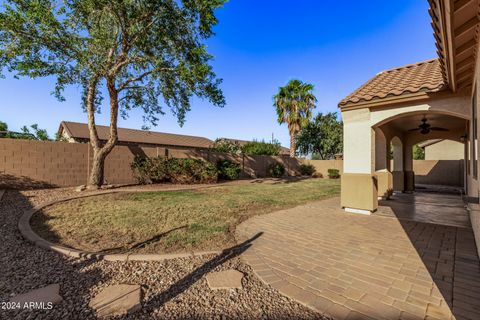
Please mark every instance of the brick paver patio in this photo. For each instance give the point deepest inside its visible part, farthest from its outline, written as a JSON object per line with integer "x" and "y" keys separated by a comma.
{"x": 353, "y": 266}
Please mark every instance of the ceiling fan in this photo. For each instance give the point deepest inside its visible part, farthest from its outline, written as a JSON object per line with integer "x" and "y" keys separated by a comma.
{"x": 425, "y": 128}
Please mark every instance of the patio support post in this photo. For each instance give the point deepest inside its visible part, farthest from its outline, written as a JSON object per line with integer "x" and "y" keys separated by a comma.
{"x": 398, "y": 172}
{"x": 384, "y": 176}
{"x": 409, "y": 184}
{"x": 359, "y": 183}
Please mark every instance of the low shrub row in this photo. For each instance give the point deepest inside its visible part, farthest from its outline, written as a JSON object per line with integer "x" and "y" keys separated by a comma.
{"x": 190, "y": 171}
{"x": 175, "y": 170}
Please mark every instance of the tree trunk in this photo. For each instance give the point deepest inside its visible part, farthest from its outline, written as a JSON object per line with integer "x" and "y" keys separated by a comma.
{"x": 100, "y": 153}
{"x": 97, "y": 173}
{"x": 293, "y": 146}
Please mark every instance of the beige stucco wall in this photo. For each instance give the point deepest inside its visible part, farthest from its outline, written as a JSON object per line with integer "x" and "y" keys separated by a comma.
{"x": 359, "y": 135}
{"x": 445, "y": 150}
{"x": 358, "y": 142}
{"x": 441, "y": 172}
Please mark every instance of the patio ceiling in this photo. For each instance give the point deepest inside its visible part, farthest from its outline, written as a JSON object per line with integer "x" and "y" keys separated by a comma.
{"x": 404, "y": 124}
{"x": 455, "y": 26}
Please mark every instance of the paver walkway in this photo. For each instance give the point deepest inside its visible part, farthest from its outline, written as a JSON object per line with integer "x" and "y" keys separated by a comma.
{"x": 381, "y": 266}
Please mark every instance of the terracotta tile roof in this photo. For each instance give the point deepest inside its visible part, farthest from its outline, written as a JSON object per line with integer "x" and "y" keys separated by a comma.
{"x": 80, "y": 131}
{"x": 425, "y": 76}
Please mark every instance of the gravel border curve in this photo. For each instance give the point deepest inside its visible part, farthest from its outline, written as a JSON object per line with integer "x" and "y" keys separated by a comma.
{"x": 30, "y": 235}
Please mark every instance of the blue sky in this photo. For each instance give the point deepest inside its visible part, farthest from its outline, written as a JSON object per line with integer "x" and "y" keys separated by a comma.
{"x": 259, "y": 46}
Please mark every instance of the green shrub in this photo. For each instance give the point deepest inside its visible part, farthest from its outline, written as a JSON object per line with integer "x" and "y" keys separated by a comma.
{"x": 307, "y": 169}
{"x": 262, "y": 148}
{"x": 228, "y": 146}
{"x": 317, "y": 175}
{"x": 175, "y": 170}
{"x": 333, "y": 173}
{"x": 228, "y": 170}
{"x": 276, "y": 170}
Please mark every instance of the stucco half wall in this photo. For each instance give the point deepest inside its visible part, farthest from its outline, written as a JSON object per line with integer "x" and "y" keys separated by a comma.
{"x": 359, "y": 191}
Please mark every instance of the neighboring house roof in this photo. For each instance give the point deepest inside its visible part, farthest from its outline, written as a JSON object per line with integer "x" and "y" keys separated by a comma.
{"x": 80, "y": 131}
{"x": 429, "y": 142}
{"x": 283, "y": 150}
{"x": 425, "y": 76}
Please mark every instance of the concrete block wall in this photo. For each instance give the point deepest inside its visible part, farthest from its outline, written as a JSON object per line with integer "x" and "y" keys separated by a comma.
{"x": 34, "y": 164}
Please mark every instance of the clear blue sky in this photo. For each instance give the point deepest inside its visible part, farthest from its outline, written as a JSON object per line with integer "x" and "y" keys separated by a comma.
{"x": 259, "y": 46}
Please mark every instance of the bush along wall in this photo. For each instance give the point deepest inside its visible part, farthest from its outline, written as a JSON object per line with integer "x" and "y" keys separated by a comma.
{"x": 333, "y": 173}
{"x": 175, "y": 170}
{"x": 276, "y": 170}
{"x": 307, "y": 169}
{"x": 228, "y": 170}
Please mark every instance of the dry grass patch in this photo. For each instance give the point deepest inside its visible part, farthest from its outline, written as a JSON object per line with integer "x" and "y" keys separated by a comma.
{"x": 172, "y": 221}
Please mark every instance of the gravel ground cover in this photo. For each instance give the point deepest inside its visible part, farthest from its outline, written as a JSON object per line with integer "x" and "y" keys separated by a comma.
{"x": 174, "y": 289}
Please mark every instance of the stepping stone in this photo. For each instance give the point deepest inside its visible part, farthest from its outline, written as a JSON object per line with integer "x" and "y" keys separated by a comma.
{"x": 229, "y": 279}
{"x": 41, "y": 296}
{"x": 117, "y": 300}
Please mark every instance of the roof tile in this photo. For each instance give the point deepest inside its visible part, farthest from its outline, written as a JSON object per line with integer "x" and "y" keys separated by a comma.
{"x": 425, "y": 76}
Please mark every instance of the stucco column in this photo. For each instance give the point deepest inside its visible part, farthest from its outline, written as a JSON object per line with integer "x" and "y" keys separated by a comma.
{"x": 408, "y": 167}
{"x": 384, "y": 176}
{"x": 359, "y": 183}
{"x": 398, "y": 167}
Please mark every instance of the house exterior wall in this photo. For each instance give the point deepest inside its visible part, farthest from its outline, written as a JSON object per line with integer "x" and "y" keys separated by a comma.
{"x": 473, "y": 154}
{"x": 445, "y": 150}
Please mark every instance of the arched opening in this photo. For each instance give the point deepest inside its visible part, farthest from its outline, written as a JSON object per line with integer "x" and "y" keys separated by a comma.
{"x": 406, "y": 131}
{"x": 439, "y": 162}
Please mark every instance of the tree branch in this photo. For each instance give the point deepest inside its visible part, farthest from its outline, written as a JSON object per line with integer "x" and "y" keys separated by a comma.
{"x": 140, "y": 77}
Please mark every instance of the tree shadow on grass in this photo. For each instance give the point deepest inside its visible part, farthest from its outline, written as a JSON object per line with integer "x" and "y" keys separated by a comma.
{"x": 286, "y": 179}
{"x": 142, "y": 244}
{"x": 187, "y": 281}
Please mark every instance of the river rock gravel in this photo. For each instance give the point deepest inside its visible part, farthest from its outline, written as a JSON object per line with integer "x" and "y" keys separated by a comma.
{"x": 172, "y": 289}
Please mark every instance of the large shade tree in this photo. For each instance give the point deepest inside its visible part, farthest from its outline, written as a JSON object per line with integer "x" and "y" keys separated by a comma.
{"x": 294, "y": 103}
{"x": 136, "y": 53}
{"x": 322, "y": 137}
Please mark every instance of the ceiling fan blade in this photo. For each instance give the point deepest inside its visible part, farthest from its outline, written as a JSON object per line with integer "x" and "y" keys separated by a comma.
{"x": 438, "y": 129}
{"x": 415, "y": 129}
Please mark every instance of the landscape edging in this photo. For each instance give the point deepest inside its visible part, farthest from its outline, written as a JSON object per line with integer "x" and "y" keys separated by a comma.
{"x": 28, "y": 233}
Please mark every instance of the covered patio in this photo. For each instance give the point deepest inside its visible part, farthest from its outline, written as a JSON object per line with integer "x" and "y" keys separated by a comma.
{"x": 414, "y": 258}
{"x": 380, "y": 133}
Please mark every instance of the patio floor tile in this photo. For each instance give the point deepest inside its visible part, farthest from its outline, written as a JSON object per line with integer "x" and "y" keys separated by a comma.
{"x": 414, "y": 259}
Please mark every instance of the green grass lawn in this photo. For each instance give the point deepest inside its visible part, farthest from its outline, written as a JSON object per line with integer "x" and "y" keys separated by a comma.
{"x": 171, "y": 221}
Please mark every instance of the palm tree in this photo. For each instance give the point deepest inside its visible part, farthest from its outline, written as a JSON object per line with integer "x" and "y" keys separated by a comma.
{"x": 294, "y": 103}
